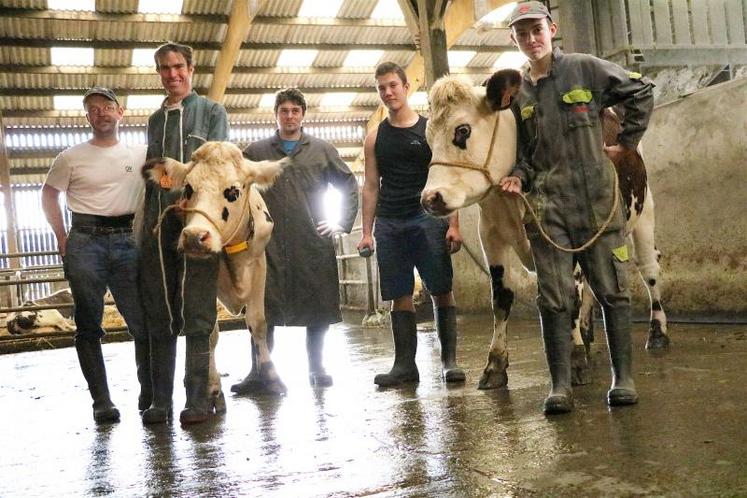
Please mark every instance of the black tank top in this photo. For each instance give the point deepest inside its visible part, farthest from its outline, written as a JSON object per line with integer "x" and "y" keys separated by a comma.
{"x": 402, "y": 157}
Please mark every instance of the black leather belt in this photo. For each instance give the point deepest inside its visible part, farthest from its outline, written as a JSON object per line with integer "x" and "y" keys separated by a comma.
{"x": 95, "y": 230}
{"x": 102, "y": 225}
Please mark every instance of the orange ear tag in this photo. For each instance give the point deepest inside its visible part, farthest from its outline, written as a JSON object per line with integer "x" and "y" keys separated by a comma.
{"x": 165, "y": 181}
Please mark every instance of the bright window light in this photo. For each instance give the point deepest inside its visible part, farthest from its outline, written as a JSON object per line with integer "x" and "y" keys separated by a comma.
{"x": 418, "y": 99}
{"x": 319, "y": 8}
{"x": 337, "y": 99}
{"x": 500, "y": 14}
{"x": 160, "y": 7}
{"x": 68, "y": 102}
{"x": 72, "y": 56}
{"x": 460, "y": 58}
{"x": 387, "y": 9}
{"x": 267, "y": 101}
{"x": 296, "y": 58}
{"x": 362, "y": 58}
{"x": 89, "y": 5}
{"x": 513, "y": 60}
{"x": 145, "y": 101}
{"x": 332, "y": 204}
{"x": 143, "y": 57}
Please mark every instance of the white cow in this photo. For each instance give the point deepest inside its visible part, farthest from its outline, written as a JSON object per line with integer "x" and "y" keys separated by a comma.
{"x": 473, "y": 135}
{"x": 225, "y": 214}
{"x": 24, "y": 322}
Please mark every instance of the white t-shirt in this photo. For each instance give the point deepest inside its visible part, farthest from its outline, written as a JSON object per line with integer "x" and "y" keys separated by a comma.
{"x": 104, "y": 181}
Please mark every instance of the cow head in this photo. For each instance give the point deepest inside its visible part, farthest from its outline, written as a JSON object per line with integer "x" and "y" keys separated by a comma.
{"x": 21, "y": 322}
{"x": 215, "y": 185}
{"x": 460, "y": 131}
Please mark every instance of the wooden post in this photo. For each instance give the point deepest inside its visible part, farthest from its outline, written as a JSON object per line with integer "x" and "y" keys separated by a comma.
{"x": 10, "y": 214}
{"x": 576, "y": 27}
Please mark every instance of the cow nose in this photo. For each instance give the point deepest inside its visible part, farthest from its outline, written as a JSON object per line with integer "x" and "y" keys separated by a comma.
{"x": 195, "y": 240}
{"x": 434, "y": 203}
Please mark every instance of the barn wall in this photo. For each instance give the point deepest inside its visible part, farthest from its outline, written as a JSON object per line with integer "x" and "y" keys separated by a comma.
{"x": 696, "y": 154}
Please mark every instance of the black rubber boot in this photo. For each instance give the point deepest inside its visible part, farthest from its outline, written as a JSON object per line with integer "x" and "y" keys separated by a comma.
{"x": 196, "y": 368}
{"x": 447, "y": 334}
{"x": 618, "y": 328}
{"x": 91, "y": 361}
{"x": 314, "y": 350}
{"x": 252, "y": 383}
{"x": 556, "y": 334}
{"x": 404, "y": 332}
{"x": 142, "y": 362}
{"x": 162, "y": 365}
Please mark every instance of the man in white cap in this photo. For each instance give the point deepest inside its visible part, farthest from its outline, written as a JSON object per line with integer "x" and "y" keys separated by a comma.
{"x": 102, "y": 184}
{"x": 564, "y": 166}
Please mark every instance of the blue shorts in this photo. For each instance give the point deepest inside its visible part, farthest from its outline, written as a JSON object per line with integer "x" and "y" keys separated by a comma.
{"x": 404, "y": 244}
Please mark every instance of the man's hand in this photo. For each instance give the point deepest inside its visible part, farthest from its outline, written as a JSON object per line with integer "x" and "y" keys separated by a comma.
{"x": 328, "y": 229}
{"x": 61, "y": 246}
{"x": 510, "y": 184}
{"x": 366, "y": 241}
{"x": 453, "y": 240}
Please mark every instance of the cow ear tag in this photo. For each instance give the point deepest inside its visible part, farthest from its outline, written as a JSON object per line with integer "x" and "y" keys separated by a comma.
{"x": 165, "y": 181}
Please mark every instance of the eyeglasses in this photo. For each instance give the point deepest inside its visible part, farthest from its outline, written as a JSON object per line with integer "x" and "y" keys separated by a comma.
{"x": 107, "y": 109}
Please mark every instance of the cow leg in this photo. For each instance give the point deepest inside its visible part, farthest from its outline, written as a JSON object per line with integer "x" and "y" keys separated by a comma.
{"x": 216, "y": 398}
{"x": 494, "y": 374}
{"x": 252, "y": 383}
{"x": 580, "y": 358}
{"x": 268, "y": 376}
{"x": 647, "y": 261}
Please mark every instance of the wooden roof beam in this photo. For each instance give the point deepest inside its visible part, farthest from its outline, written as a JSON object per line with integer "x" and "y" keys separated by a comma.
{"x": 242, "y": 13}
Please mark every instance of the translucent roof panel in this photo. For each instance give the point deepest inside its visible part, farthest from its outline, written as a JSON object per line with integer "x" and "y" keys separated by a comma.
{"x": 71, "y": 56}
{"x": 320, "y": 8}
{"x": 460, "y": 58}
{"x": 68, "y": 102}
{"x": 500, "y": 14}
{"x": 337, "y": 99}
{"x": 143, "y": 57}
{"x": 144, "y": 101}
{"x": 362, "y": 58}
{"x": 297, "y": 58}
{"x": 513, "y": 59}
{"x": 160, "y": 7}
{"x": 387, "y": 9}
{"x": 89, "y": 5}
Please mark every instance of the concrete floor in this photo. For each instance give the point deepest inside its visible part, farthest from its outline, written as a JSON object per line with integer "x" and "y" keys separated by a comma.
{"x": 687, "y": 436}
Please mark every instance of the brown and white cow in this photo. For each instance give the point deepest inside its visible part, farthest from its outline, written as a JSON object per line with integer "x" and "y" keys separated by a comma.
{"x": 472, "y": 163}
{"x": 225, "y": 214}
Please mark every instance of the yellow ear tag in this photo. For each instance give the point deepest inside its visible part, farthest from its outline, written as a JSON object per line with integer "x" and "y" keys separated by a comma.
{"x": 621, "y": 253}
{"x": 165, "y": 181}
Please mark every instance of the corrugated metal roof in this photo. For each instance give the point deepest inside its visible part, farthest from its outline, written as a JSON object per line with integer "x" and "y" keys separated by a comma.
{"x": 117, "y": 28}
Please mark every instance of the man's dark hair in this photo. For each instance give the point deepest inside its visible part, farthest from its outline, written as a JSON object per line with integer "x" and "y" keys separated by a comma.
{"x": 167, "y": 47}
{"x": 290, "y": 95}
{"x": 391, "y": 67}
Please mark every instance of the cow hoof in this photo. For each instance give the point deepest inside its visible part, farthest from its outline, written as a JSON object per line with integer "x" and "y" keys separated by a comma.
{"x": 191, "y": 416}
{"x": 274, "y": 387}
{"x": 493, "y": 380}
{"x": 657, "y": 338}
{"x": 218, "y": 403}
{"x": 580, "y": 366}
{"x": 252, "y": 384}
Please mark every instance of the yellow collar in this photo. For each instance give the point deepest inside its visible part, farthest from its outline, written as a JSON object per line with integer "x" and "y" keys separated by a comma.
{"x": 233, "y": 249}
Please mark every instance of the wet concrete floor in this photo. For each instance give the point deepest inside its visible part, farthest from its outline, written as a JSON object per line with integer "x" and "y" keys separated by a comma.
{"x": 686, "y": 437}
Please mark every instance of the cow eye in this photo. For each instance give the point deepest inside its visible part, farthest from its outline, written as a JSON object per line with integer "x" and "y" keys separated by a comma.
{"x": 188, "y": 191}
{"x": 231, "y": 193}
{"x": 461, "y": 134}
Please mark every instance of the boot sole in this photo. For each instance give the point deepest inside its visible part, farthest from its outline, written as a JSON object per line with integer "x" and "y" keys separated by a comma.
{"x": 557, "y": 405}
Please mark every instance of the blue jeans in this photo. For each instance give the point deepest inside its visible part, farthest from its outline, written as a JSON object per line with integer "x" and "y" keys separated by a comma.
{"x": 94, "y": 262}
{"x": 404, "y": 244}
